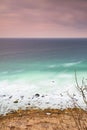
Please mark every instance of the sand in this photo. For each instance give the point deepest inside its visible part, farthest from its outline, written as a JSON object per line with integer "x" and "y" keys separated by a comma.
{"x": 69, "y": 119}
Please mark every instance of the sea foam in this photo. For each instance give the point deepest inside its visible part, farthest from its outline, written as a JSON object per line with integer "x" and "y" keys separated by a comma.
{"x": 51, "y": 94}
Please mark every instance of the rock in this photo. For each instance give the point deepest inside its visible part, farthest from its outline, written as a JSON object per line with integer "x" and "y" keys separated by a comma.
{"x": 12, "y": 111}
{"x": 37, "y": 95}
{"x": 61, "y": 94}
{"x": 42, "y": 96}
{"x": 4, "y": 95}
{"x": 53, "y": 81}
{"x": 47, "y": 102}
{"x": 10, "y": 97}
{"x": 48, "y": 113}
{"x": 22, "y": 97}
{"x": 16, "y": 101}
{"x": 74, "y": 95}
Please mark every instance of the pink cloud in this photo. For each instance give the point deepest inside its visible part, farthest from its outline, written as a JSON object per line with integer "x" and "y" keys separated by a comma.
{"x": 43, "y": 18}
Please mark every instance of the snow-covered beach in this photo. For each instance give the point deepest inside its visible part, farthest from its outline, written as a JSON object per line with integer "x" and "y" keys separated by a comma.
{"x": 14, "y": 98}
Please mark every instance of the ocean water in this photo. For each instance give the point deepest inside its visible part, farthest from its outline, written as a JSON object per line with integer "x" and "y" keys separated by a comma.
{"x": 43, "y": 66}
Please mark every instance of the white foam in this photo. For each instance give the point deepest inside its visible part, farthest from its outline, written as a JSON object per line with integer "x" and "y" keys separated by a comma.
{"x": 5, "y": 72}
{"x": 65, "y": 76}
{"x": 51, "y": 66}
{"x": 19, "y": 71}
{"x": 71, "y": 64}
{"x": 50, "y": 94}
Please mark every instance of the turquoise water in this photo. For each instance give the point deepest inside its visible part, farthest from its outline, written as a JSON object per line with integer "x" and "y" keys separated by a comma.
{"x": 42, "y": 62}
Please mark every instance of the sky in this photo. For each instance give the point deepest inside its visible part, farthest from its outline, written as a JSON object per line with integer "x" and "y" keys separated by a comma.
{"x": 43, "y": 18}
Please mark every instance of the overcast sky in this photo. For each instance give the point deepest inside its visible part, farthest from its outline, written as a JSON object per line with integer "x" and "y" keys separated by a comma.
{"x": 43, "y": 18}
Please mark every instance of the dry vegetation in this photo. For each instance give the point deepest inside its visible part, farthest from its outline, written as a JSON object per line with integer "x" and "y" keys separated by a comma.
{"x": 79, "y": 116}
{"x": 44, "y": 120}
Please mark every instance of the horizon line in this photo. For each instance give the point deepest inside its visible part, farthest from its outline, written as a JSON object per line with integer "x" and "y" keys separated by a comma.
{"x": 43, "y": 37}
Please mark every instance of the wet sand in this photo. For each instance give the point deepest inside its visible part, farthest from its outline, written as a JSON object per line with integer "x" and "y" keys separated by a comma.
{"x": 48, "y": 119}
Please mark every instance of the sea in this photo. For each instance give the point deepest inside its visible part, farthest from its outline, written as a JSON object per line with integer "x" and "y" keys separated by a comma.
{"x": 35, "y": 71}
